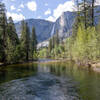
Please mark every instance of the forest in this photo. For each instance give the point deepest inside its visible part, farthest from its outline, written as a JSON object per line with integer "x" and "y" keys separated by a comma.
{"x": 84, "y": 43}
{"x": 12, "y": 48}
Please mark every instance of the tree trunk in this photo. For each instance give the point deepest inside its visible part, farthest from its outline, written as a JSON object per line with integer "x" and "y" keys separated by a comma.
{"x": 27, "y": 56}
{"x": 85, "y": 14}
{"x": 92, "y": 15}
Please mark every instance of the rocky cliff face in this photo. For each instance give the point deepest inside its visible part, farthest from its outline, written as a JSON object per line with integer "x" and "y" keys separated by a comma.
{"x": 46, "y": 29}
{"x": 64, "y": 24}
{"x": 43, "y": 28}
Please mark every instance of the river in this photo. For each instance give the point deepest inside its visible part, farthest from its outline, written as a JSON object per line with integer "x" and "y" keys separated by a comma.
{"x": 48, "y": 81}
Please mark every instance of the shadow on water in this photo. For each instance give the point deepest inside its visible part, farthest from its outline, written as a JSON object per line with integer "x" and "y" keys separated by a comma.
{"x": 48, "y": 81}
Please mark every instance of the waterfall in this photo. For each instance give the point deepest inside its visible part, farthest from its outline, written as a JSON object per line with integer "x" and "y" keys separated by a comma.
{"x": 52, "y": 32}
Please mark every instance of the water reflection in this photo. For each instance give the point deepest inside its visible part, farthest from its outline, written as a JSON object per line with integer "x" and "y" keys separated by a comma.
{"x": 13, "y": 72}
{"x": 37, "y": 82}
{"x": 88, "y": 81}
{"x": 43, "y": 69}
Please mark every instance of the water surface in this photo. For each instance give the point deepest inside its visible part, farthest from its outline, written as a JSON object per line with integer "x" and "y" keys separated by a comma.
{"x": 48, "y": 81}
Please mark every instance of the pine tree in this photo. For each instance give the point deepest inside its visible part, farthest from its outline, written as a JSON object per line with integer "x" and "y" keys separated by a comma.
{"x": 57, "y": 38}
{"x": 1, "y": 48}
{"x": 12, "y": 41}
{"x": 25, "y": 40}
{"x": 12, "y": 32}
{"x": 85, "y": 15}
{"x": 3, "y": 33}
{"x": 92, "y": 14}
{"x": 33, "y": 42}
{"x": 50, "y": 46}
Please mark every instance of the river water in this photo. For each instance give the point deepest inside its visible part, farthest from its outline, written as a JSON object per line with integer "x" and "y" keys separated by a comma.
{"x": 48, "y": 81}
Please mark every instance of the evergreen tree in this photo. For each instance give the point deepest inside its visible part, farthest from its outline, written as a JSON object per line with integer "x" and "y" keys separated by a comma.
{"x": 3, "y": 33}
{"x": 57, "y": 38}
{"x": 1, "y": 48}
{"x": 50, "y": 46}
{"x": 12, "y": 41}
{"x": 33, "y": 42}
{"x": 12, "y": 31}
{"x": 25, "y": 40}
{"x": 92, "y": 14}
{"x": 92, "y": 43}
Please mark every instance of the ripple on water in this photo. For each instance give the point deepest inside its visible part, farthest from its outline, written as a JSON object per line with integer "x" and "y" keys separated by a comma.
{"x": 41, "y": 87}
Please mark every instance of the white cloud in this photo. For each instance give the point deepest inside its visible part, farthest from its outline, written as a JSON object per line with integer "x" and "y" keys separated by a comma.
{"x": 19, "y": 10}
{"x": 21, "y": 6}
{"x": 39, "y": 17}
{"x": 32, "y": 5}
{"x": 51, "y": 18}
{"x": 12, "y": 7}
{"x": 15, "y": 16}
{"x": 46, "y": 4}
{"x": 12, "y": 0}
{"x": 47, "y": 12}
{"x": 67, "y": 6}
{"x": 97, "y": 2}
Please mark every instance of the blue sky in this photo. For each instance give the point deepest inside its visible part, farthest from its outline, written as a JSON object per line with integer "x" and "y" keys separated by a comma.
{"x": 43, "y": 9}
{"x": 38, "y": 9}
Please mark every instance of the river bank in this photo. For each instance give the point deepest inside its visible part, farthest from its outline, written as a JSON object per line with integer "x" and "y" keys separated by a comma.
{"x": 21, "y": 62}
{"x": 1, "y": 64}
{"x": 48, "y": 81}
{"x": 95, "y": 66}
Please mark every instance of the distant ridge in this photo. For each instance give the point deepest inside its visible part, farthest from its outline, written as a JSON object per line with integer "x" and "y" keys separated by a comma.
{"x": 46, "y": 29}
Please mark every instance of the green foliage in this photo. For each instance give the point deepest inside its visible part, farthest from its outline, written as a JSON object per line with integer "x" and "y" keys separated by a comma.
{"x": 3, "y": 33}
{"x": 13, "y": 50}
{"x": 83, "y": 44}
{"x": 11, "y": 42}
{"x": 53, "y": 48}
{"x": 1, "y": 50}
{"x": 25, "y": 40}
{"x": 86, "y": 44}
{"x": 80, "y": 43}
{"x": 50, "y": 45}
{"x": 33, "y": 44}
{"x": 43, "y": 53}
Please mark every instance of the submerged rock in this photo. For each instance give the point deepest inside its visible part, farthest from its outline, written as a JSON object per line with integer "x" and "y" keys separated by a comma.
{"x": 43, "y": 86}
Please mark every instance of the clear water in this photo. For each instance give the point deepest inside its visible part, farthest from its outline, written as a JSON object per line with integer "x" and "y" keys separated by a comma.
{"x": 48, "y": 81}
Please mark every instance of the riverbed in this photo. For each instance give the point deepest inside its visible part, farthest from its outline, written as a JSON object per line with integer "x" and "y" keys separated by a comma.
{"x": 48, "y": 81}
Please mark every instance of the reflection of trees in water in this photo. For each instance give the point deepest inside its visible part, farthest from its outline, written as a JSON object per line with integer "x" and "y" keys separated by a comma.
{"x": 61, "y": 69}
{"x": 3, "y": 73}
{"x": 43, "y": 68}
{"x": 58, "y": 69}
{"x": 18, "y": 71}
